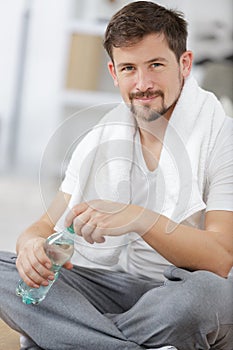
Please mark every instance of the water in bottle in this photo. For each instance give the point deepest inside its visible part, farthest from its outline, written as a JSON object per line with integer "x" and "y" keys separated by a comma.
{"x": 59, "y": 247}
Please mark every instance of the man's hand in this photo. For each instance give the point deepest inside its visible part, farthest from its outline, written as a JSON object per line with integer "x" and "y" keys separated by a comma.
{"x": 98, "y": 218}
{"x": 34, "y": 265}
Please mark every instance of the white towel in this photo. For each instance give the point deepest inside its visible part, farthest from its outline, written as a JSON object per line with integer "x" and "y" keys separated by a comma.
{"x": 103, "y": 162}
{"x": 189, "y": 140}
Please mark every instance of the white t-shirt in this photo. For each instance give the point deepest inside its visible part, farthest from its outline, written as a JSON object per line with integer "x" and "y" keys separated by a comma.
{"x": 141, "y": 258}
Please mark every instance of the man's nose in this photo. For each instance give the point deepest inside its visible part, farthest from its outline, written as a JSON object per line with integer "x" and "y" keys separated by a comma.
{"x": 144, "y": 80}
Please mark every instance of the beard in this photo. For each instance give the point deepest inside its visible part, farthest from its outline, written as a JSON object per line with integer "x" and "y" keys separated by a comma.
{"x": 146, "y": 112}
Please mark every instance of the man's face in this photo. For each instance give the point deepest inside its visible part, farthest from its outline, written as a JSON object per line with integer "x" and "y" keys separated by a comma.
{"x": 149, "y": 77}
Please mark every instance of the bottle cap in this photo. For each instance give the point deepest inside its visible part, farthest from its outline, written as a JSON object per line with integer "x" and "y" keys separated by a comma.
{"x": 71, "y": 228}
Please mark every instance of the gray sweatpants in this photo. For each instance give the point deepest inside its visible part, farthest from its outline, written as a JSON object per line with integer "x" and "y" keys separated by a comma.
{"x": 89, "y": 309}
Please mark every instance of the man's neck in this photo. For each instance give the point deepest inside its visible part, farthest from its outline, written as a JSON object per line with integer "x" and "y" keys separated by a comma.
{"x": 151, "y": 137}
{"x": 152, "y": 132}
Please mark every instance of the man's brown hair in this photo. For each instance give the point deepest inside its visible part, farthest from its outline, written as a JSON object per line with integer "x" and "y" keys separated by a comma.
{"x": 137, "y": 19}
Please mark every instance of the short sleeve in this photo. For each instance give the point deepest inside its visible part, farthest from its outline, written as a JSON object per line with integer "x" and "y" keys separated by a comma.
{"x": 70, "y": 180}
{"x": 220, "y": 170}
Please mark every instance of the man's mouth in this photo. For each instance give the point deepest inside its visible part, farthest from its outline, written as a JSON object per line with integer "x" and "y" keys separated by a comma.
{"x": 145, "y": 96}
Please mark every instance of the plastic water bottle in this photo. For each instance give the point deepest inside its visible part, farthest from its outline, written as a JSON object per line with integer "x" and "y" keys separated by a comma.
{"x": 59, "y": 247}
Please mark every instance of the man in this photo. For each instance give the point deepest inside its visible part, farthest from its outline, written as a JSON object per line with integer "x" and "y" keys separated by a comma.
{"x": 152, "y": 185}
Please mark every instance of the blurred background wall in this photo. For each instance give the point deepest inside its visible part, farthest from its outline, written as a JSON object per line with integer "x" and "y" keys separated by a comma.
{"x": 52, "y": 92}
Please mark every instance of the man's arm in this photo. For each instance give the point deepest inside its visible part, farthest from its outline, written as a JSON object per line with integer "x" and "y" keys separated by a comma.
{"x": 210, "y": 249}
{"x": 184, "y": 246}
{"x": 32, "y": 262}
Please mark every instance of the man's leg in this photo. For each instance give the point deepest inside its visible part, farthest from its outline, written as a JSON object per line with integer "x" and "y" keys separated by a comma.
{"x": 71, "y": 316}
{"x": 190, "y": 311}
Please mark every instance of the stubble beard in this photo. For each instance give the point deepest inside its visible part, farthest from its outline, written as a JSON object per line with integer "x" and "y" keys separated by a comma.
{"x": 146, "y": 112}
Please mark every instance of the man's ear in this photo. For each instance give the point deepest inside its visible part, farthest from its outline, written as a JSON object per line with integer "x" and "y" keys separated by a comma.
{"x": 112, "y": 72}
{"x": 186, "y": 61}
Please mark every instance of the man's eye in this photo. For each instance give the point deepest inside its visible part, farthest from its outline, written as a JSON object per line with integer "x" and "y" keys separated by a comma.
{"x": 155, "y": 65}
{"x": 127, "y": 68}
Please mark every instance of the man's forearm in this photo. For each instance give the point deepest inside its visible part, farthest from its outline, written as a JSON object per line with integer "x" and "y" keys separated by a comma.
{"x": 182, "y": 245}
{"x": 45, "y": 225}
{"x": 38, "y": 229}
{"x": 186, "y": 246}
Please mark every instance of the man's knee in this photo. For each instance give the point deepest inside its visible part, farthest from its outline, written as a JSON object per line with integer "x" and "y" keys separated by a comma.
{"x": 196, "y": 297}
{"x": 203, "y": 300}
{"x": 209, "y": 291}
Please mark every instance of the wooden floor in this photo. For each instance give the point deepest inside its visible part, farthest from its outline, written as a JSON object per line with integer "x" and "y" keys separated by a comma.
{"x": 9, "y": 339}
